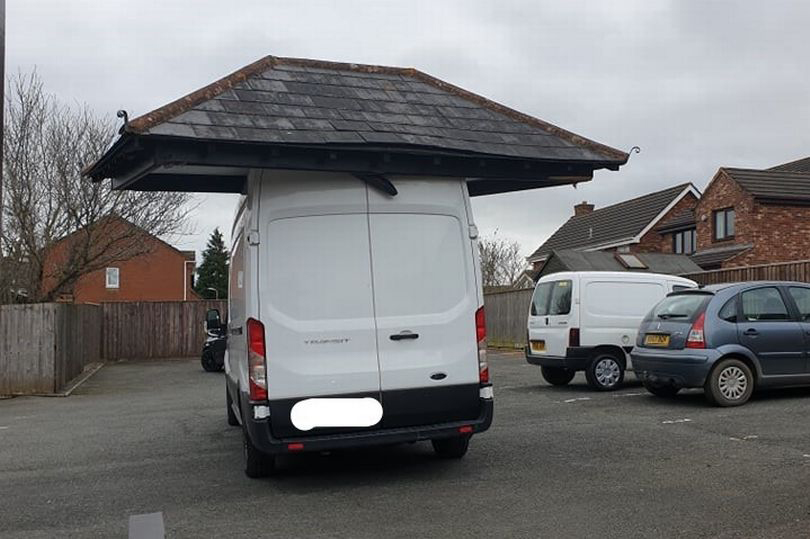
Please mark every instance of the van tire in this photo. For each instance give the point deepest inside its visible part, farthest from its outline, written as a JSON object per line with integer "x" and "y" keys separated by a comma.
{"x": 232, "y": 419}
{"x": 605, "y": 372}
{"x": 257, "y": 464}
{"x": 451, "y": 448}
{"x": 557, "y": 376}
{"x": 718, "y": 388}
{"x": 665, "y": 391}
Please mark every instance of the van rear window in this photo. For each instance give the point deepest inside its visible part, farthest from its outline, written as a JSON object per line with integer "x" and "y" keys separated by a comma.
{"x": 552, "y": 298}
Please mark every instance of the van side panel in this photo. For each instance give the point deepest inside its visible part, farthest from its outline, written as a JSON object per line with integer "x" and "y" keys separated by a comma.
{"x": 612, "y": 309}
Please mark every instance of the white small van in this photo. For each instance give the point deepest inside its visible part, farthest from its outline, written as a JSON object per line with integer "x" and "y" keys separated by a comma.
{"x": 588, "y": 321}
{"x": 355, "y": 315}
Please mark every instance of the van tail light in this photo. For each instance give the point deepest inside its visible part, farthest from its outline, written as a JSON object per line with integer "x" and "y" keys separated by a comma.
{"x": 481, "y": 337}
{"x": 696, "y": 339}
{"x": 573, "y": 337}
{"x": 257, "y": 360}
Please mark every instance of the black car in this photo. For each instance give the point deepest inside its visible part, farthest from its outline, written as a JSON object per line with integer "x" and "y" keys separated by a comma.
{"x": 213, "y": 352}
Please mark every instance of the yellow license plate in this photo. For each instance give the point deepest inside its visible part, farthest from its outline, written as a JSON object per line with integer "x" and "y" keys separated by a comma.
{"x": 652, "y": 339}
{"x": 538, "y": 346}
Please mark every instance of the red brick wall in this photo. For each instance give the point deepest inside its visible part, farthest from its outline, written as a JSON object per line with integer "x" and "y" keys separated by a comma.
{"x": 778, "y": 233}
{"x": 159, "y": 275}
{"x": 655, "y": 242}
{"x": 723, "y": 192}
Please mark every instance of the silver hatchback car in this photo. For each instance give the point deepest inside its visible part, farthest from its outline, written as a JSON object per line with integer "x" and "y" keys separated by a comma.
{"x": 728, "y": 339}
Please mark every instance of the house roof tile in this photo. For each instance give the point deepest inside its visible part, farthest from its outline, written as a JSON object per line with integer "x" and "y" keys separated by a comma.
{"x": 300, "y": 101}
{"x": 716, "y": 255}
{"x": 611, "y": 224}
{"x": 773, "y": 185}
{"x": 670, "y": 264}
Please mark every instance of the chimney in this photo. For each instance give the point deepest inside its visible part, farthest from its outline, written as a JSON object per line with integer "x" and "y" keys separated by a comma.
{"x": 583, "y": 208}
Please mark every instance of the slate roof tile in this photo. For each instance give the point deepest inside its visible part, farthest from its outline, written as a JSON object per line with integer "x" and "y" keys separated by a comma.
{"x": 610, "y": 224}
{"x": 292, "y": 101}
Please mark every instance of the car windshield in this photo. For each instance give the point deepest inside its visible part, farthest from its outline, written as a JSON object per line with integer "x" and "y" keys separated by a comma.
{"x": 680, "y": 306}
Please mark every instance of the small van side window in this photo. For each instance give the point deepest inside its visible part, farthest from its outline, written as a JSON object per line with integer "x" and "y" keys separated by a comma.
{"x": 560, "y": 298}
{"x": 763, "y": 304}
{"x": 729, "y": 311}
{"x": 802, "y": 298}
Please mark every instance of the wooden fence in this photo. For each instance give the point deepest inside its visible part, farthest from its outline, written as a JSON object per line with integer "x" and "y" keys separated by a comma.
{"x": 145, "y": 330}
{"x": 43, "y": 346}
{"x": 782, "y": 271}
{"x": 506, "y": 314}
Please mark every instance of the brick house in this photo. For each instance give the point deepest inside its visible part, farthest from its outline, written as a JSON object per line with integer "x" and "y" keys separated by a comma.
{"x": 646, "y": 224}
{"x": 748, "y": 216}
{"x": 157, "y": 272}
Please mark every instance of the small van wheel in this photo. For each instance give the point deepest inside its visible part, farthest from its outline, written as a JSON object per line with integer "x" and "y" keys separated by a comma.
{"x": 232, "y": 419}
{"x": 730, "y": 383}
{"x": 557, "y": 376}
{"x": 605, "y": 372}
{"x": 451, "y": 448}
{"x": 666, "y": 391}
{"x": 257, "y": 464}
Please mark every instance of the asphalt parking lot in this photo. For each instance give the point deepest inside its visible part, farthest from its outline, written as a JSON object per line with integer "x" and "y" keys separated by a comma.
{"x": 151, "y": 437}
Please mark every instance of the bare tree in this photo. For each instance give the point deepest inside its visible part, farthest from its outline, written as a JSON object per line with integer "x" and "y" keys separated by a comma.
{"x": 47, "y": 143}
{"x": 501, "y": 261}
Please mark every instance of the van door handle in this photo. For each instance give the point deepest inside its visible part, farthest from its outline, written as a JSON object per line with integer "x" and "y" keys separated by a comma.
{"x": 404, "y": 335}
{"x": 236, "y": 330}
{"x": 751, "y": 332}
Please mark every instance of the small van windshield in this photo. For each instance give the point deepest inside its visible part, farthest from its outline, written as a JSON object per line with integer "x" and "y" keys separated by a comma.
{"x": 552, "y": 298}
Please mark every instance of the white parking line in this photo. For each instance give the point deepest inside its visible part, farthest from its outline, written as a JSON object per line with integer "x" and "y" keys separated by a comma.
{"x": 146, "y": 526}
{"x": 673, "y": 421}
{"x": 577, "y": 399}
{"x": 616, "y": 396}
{"x": 3, "y": 428}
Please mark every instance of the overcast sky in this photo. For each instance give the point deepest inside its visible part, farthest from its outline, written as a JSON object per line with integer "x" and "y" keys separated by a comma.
{"x": 697, "y": 84}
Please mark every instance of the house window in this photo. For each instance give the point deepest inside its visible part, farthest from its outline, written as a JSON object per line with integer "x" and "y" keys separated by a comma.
{"x": 113, "y": 278}
{"x": 684, "y": 242}
{"x": 724, "y": 224}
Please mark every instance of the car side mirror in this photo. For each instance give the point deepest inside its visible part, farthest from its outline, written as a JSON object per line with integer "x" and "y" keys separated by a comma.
{"x": 213, "y": 322}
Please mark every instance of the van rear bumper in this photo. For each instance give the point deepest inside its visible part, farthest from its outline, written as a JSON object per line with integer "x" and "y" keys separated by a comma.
{"x": 576, "y": 358}
{"x": 262, "y": 437}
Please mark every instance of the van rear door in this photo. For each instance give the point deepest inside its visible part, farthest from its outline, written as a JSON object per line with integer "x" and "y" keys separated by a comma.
{"x": 425, "y": 298}
{"x": 551, "y": 317}
{"x": 315, "y": 291}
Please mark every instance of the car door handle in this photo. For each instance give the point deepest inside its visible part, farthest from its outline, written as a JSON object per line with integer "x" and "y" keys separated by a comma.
{"x": 236, "y": 330}
{"x": 404, "y": 335}
{"x": 751, "y": 332}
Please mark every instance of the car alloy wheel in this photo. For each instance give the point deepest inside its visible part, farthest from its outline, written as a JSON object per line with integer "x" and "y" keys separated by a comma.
{"x": 732, "y": 382}
{"x": 607, "y": 372}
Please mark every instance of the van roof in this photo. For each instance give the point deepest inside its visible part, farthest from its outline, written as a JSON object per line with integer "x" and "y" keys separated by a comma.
{"x": 622, "y": 275}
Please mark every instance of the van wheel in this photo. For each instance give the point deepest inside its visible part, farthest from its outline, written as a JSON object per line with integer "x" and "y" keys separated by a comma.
{"x": 666, "y": 391}
{"x": 605, "y": 372}
{"x": 557, "y": 376}
{"x": 451, "y": 448}
{"x": 257, "y": 464}
{"x": 232, "y": 419}
{"x": 730, "y": 383}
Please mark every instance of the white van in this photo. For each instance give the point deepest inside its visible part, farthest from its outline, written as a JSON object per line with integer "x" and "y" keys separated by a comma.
{"x": 588, "y": 321}
{"x": 355, "y": 316}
